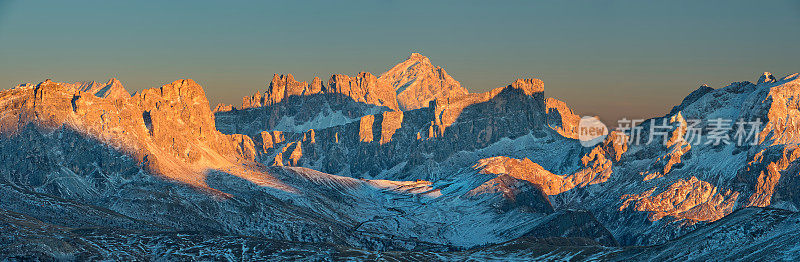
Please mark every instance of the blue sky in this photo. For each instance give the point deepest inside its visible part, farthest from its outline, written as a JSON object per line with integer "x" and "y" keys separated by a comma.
{"x": 607, "y": 58}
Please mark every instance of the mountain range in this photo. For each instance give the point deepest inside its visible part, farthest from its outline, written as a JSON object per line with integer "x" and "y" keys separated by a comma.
{"x": 408, "y": 165}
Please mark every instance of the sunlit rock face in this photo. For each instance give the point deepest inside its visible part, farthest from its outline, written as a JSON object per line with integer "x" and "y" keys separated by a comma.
{"x": 685, "y": 199}
{"x": 293, "y": 106}
{"x": 526, "y": 170}
{"x": 364, "y": 88}
{"x": 222, "y": 108}
{"x": 561, "y": 118}
{"x": 112, "y": 89}
{"x": 170, "y": 130}
{"x": 417, "y": 82}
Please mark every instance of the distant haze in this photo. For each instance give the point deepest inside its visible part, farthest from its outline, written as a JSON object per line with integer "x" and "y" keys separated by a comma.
{"x": 609, "y": 58}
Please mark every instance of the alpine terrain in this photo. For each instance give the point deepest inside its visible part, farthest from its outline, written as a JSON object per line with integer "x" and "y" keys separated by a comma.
{"x": 407, "y": 165}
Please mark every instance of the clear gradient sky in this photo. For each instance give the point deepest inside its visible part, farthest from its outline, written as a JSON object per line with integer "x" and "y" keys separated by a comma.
{"x": 607, "y": 58}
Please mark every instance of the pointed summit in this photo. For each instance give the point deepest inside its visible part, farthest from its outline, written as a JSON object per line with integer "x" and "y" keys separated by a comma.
{"x": 417, "y": 82}
{"x": 113, "y": 89}
{"x": 766, "y": 78}
{"x": 419, "y": 58}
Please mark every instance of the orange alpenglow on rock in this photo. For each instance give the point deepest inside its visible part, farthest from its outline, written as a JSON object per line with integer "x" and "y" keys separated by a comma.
{"x": 170, "y": 130}
{"x": 223, "y": 108}
{"x": 690, "y": 199}
{"x": 447, "y": 110}
{"x": 282, "y": 87}
{"x": 391, "y": 121}
{"x": 365, "y": 88}
{"x": 365, "y": 128}
{"x": 561, "y": 118}
{"x": 417, "y": 82}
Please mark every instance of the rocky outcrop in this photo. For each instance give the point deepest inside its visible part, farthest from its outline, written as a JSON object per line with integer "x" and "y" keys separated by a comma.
{"x": 280, "y": 88}
{"x": 505, "y": 100}
{"x": 782, "y": 116}
{"x": 676, "y": 146}
{"x": 526, "y": 170}
{"x": 169, "y": 130}
{"x": 390, "y": 122}
{"x": 290, "y": 105}
{"x": 223, "y": 108}
{"x": 284, "y": 86}
{"x": 270, "y": 139}
{"x": 691, "y": 199}
{"x": 417, "y": 82}
{"x": 256, "y": 100}
{"x": 561, "y": 118}
{"x": 182, "y": 100}
{"x": 516, "y": 194}
{"x": 365, "y": 128}
{"x": 113, "y": 89}
{"x": 766, "y": 78}
{"x": 596, "y": 169}
{"x": 244, "y": 146}
{"x": 316, "y": 86}
{"x": 768, "y": 164}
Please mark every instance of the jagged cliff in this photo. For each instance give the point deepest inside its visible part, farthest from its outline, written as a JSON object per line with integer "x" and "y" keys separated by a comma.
{"x": 409, "y": 85}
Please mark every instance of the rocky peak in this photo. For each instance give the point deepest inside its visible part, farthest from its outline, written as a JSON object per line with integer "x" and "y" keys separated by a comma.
{"x": 364, "y": 88}
{"x": 183, "y": 90}
{"x": 766, "y": 78}
{"x": 282, "y": 87}
{"x": 252, "y": 101}
{"x": 419, "y": 58}
{"x": 417, "y": 82}
{"x": 221, "y": 107}
{"x": 113, "y": 89}
{"x": 316, "y": 86}
{"x": 46, "y": 82}
{"x": 529, "y": 86}
{"x": 183, "y": 99}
